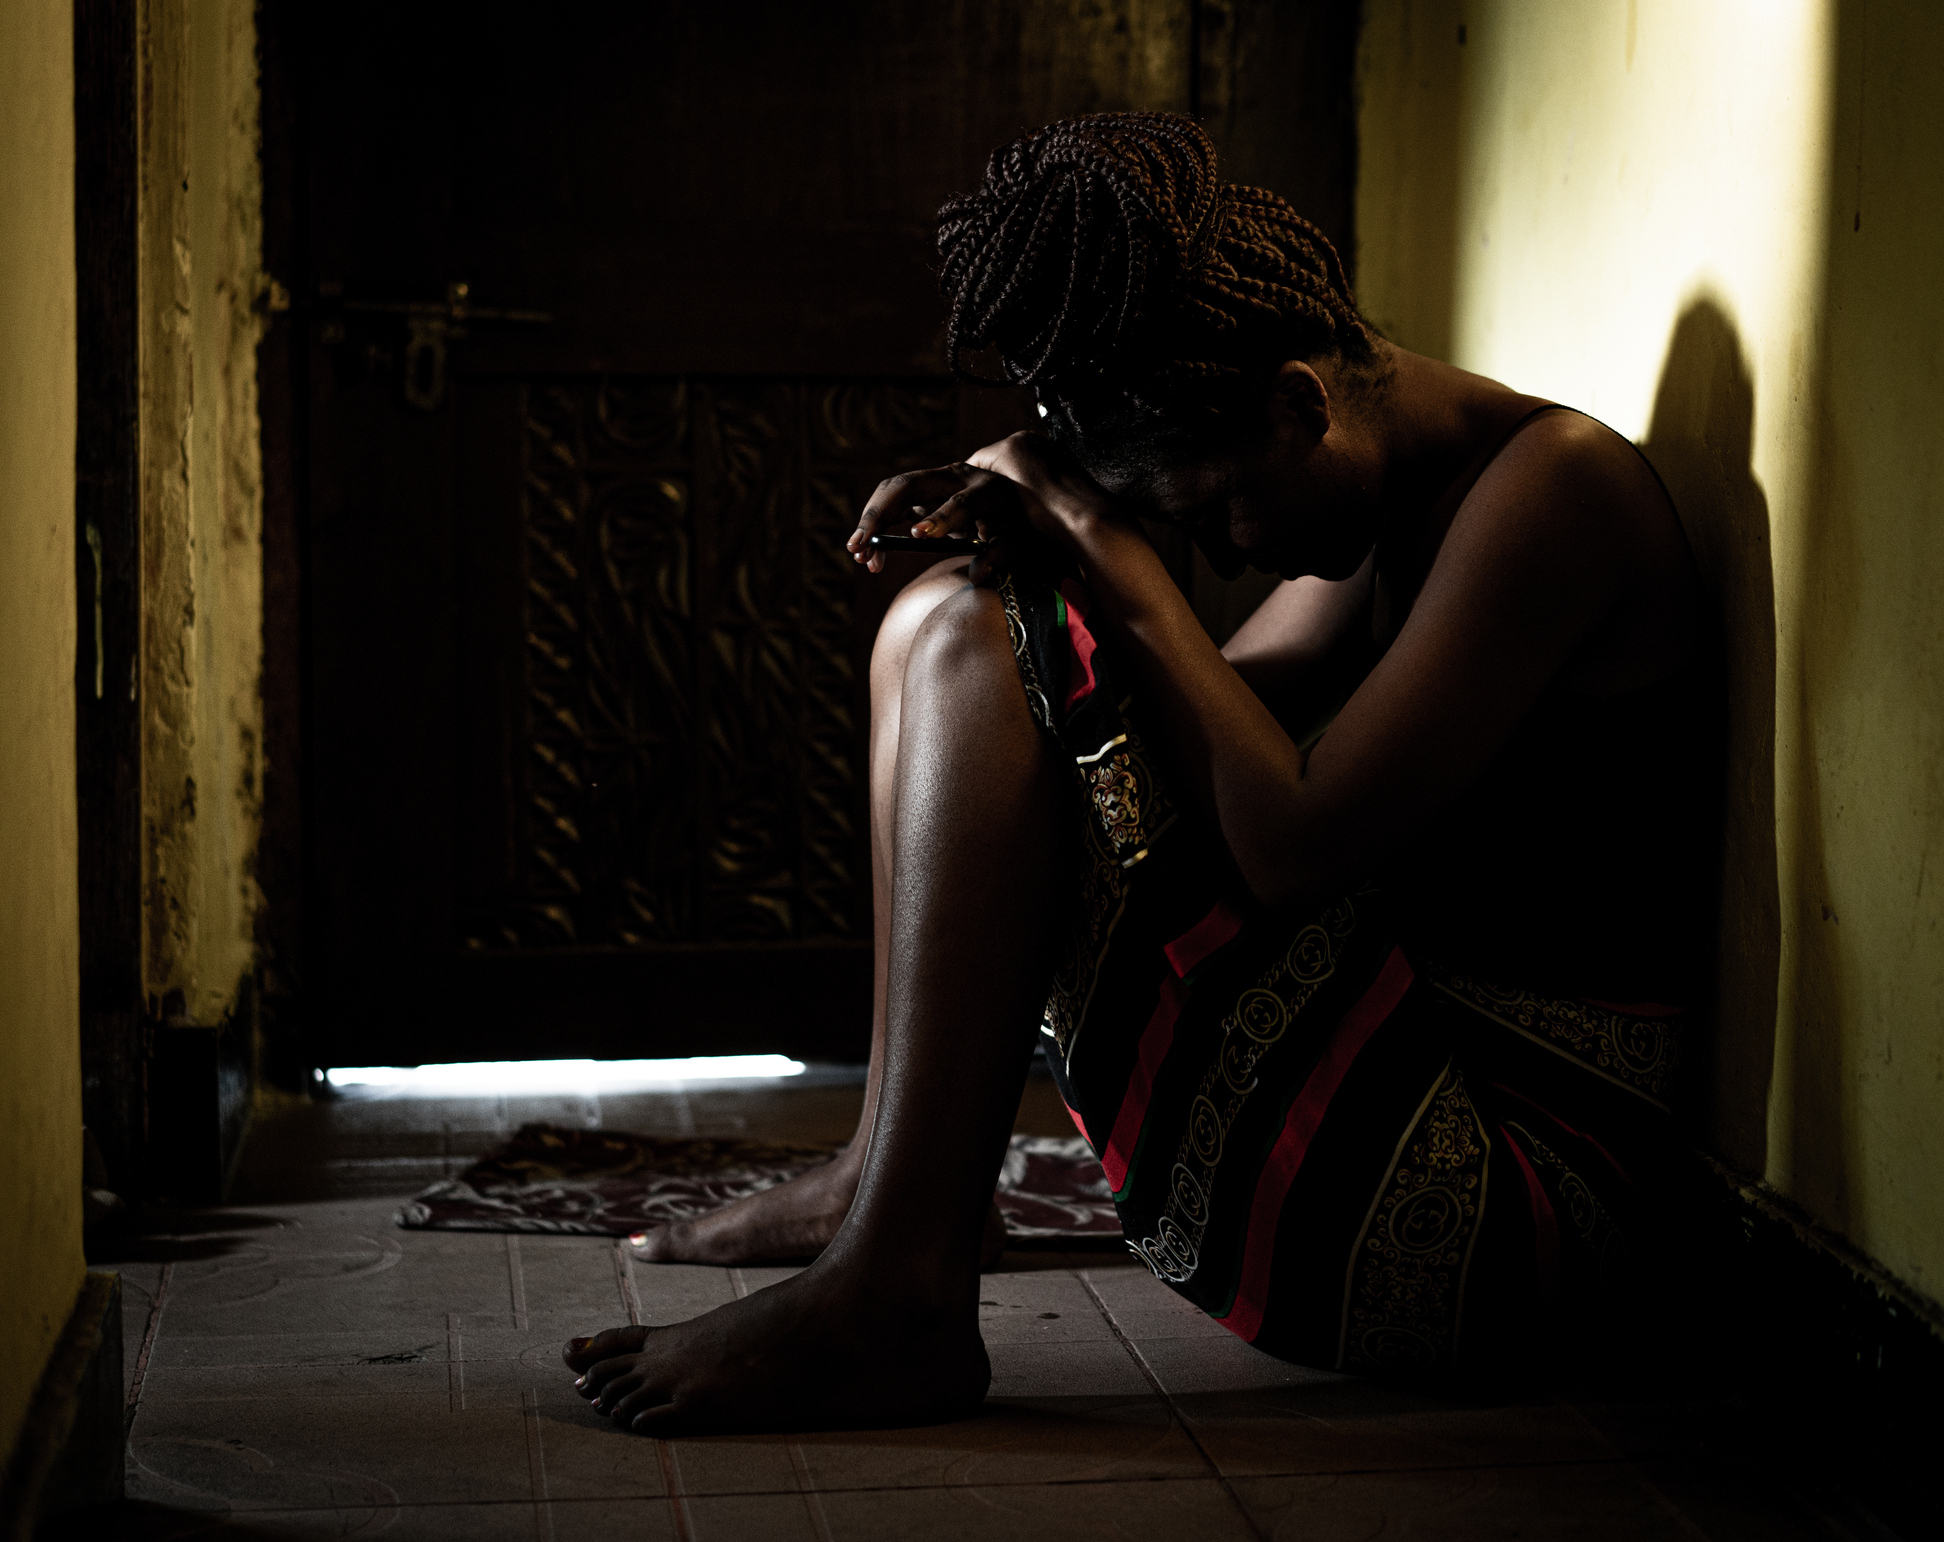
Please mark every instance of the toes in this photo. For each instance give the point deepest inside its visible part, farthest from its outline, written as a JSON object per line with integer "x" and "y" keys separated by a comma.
{"x": 663, "y": 1420}
{"x": 659, "y": 1244}
{"x": 617, "y": 1389}
{"x": 610, "y": 1379}
{"x": 581, "y": 1353}
{"x": 630, "y": 1411}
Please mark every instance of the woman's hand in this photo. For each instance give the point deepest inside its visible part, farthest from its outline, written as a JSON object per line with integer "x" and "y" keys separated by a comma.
{"x": 1014, "y": 494}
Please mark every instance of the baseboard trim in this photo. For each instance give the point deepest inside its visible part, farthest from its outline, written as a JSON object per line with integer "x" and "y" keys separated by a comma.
{"x": 69, "y": 1454}
{"x": 201, "y": 1088}
{"x": 1847, "y": 1360}
{"x": 1779, "y": 1208}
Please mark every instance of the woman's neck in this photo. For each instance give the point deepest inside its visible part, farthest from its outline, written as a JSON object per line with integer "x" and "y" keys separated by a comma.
{"x": 1435, "y": 426}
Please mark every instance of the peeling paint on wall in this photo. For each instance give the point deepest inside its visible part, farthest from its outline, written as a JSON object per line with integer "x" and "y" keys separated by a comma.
{"x": 201, "y": 235}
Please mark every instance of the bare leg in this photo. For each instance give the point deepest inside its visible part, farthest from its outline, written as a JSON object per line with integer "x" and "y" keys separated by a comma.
{"x": 883, "y": 1327}
{"x": 797, "y": 1220}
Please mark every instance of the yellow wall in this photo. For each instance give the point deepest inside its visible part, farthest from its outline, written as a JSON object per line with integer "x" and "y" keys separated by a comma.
{"x": 40, "y": 1074}
{"x": 1718, "y": 227}
{"x": 200, "y": 225}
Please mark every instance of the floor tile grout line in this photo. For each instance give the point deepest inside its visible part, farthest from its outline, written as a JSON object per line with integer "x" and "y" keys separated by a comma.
{"x": 1155, "y": 1479}
{"x": 1669, "y": 1507}
{"x": 516, "y": 1279}
{"x": 812, "y": 1500}
{"x": 624, "y": 1281}
{"x": 148, "y": 1346}
{"x": 543, "y": 1526}
{"x": 1167, "y": 1399}
{"x": 455, "y": 1365}
{"x": 678, "y": 1510}
{"x": 799, "y": 1463}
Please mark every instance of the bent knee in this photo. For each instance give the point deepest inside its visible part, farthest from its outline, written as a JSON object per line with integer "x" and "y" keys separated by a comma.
{"x": 913, "y": 603}
{"x": 963, "y": 629}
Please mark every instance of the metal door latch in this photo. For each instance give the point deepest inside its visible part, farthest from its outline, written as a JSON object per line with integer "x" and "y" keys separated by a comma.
{"x": 429, "y": 326}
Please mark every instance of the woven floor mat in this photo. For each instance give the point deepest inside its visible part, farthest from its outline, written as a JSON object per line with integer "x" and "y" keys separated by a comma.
{"x": 1051, "y": 1191}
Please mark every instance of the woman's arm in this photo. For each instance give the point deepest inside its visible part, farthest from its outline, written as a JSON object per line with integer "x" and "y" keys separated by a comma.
{"x": 1306, "y": 647}
{"x": 1539, "y": 554}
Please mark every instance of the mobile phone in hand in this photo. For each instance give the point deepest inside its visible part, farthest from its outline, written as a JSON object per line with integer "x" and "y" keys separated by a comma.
{"x": 948, "y": 544}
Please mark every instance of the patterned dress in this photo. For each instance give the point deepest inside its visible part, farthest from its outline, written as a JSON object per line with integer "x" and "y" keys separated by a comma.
{"x": 1337, "y": 1137}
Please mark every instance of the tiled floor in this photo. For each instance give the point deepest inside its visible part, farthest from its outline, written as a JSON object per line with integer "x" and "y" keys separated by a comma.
{"x": 300, "y": 1367}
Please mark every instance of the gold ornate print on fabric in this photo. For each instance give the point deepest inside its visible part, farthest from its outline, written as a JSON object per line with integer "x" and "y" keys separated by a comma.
{"x": 1639, "y": 1053}
{"x": 1116, "y": 797}
{"x": 1588, "y": 1217}
{"x": 1127, "y": 812}
{"x": 1404, "y": 1294}
{"x": 1261, "y": 1016}
{"x": 1101, "y": 898}
{"x": 1023, "y": 657}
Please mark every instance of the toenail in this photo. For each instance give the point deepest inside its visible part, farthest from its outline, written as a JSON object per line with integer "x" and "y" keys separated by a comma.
{"x": 577, "y": 1345}
{"x": 580, "y": 1381}
{"x": 636, "y": 1238}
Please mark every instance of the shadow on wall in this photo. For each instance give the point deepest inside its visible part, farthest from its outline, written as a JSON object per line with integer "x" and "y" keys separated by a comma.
{"x": 1701, "y": 440}
{"x": 1410, "y": 171}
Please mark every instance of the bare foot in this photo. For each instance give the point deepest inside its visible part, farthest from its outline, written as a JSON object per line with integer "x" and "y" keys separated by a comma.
{"x": 809, "y": 1353}
{"x": 791, "y": 1223}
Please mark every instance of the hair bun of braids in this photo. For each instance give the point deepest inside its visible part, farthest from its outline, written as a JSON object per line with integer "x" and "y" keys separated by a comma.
{"x": 1106, "y": 244}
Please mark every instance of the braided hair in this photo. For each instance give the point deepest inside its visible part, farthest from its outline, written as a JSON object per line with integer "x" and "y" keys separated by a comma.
{"x": 1143, "y": 299}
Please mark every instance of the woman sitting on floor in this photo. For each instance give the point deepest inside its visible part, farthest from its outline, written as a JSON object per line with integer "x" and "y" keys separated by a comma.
{"x": 1373, "y": 1037}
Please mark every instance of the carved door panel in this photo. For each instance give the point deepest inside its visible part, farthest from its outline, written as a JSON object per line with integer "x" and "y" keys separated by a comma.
{"x": 665, "y": 796}
{"x": 684, "y": 758}
{"x": 579, "y": 746}
{"x": 587, "y": 724}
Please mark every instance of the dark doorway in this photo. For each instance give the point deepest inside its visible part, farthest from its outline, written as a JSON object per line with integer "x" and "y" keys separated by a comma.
{"x": 606, "y": 319}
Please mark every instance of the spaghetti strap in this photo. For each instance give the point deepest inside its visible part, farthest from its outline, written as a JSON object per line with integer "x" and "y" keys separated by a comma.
{"x": 1469, "y": 478}
{"x": 1513, "y": 432}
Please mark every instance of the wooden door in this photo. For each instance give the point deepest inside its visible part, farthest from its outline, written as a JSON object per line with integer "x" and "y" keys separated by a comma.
{"x": 608, "y": 318}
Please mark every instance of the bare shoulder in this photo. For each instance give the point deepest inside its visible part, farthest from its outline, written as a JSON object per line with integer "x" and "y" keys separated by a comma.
{"x": 1569, "y": 529}
{"x": 1574, "y": 464}
{"x": 1571, "y": 496}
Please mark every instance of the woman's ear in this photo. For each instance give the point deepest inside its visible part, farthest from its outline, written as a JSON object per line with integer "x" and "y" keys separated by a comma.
{"x": 1299, "y": 400}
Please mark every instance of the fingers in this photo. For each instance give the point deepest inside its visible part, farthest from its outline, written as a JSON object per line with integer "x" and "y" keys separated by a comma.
{"x": 951, "y": 516}
{"x": 937, "y": 502}
{"x": 894, "y": 503}
{"x": 1003, "y": 486}
{"x": 988, "y": 566}
{"x": 990, "y": 505}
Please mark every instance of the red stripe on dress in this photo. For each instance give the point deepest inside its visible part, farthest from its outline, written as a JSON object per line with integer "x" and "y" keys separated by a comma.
{"x": 1212, "y": 931}
{"x": 1078, "y": 1123}
{"x": 1560, "y": 1124}
{"x": 1305, "y": 1117}
{"x": 1156, "y": 1040}
{"x": 1545, "y": 1224}
{"x": 1081, "y": 640}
